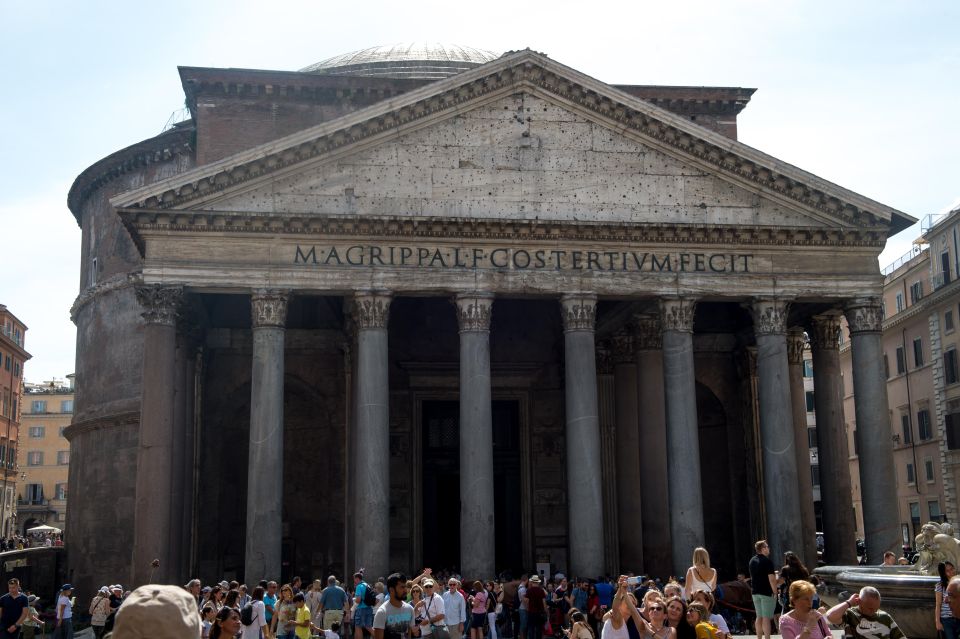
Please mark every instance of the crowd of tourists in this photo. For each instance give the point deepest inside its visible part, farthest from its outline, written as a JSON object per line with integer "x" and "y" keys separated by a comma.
{"x": 442, "y": 606}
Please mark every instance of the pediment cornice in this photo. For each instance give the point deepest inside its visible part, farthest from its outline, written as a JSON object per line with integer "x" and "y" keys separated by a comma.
{"x": 519, "y": 71}
{"x": 142, "y": 222}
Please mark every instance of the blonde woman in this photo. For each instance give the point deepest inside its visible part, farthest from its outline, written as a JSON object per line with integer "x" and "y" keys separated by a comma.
{"x": 803, "y": 622}
{"x": 700, "y": 576}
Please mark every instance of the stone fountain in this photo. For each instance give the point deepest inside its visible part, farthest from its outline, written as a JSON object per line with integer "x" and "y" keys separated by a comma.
{"x": 907, "y": 591}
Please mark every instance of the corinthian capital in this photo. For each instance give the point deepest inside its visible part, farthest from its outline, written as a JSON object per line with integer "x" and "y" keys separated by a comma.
{"x": 825, "y": 332}
{"x": 676, "y": 314}
{"x": 269, "y": 308}
{"x": 796, "y": 342}
{"x": 161, "y": 304}
{"x": 579, "y": 311}
{"x": 865, "y": 315}
{"x": 769, "y": 316}
{"x": 371, "y": 309}
{"x": 474, "y": 311}
{"x": 646, "y": 333}
{"x": 621, "y": 347}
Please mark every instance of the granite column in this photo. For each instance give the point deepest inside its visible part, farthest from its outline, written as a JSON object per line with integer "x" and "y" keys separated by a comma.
{"x": 836, "y": 491}
{"x": 265, "y": 457}
{"x": 477, "y": 531}
{"x": 584, "y": 492}
{"x": 683, "y": 436}
{"x": 371, "y": 312}
{"x": 780, "y": 492}
{"x": 796, "y": 343}
{"x": 154, "y": 482}
{"x": 878, "y": 483}
{"x": 654, "y": 501}
{"x": 628, "y": 479}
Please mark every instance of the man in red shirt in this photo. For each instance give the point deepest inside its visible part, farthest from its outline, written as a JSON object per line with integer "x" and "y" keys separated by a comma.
{"x": 536, "y": 610}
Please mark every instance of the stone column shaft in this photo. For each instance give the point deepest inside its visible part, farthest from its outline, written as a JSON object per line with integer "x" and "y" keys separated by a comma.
{"x": 628, "y": 478}
{"x": 780, "y": 492}
{"x": 683, "y": 436}
{"x": 265, "y": 460}
{"x": 878, "y": 483}
{"x": 152, "y": 514}
{"x": 836, "y": 491}
{"x": 584, "y": 492}
{"x": 371, "y": 481}
{"x": 654, "y": 500}
{"x": 477, "y": 530}
{"x": 178, "y": 461}
{"x": 796, "y": 342}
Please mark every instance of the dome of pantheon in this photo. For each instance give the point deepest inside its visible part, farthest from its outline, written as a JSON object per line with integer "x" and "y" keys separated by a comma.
{"x": 416, "y": 60}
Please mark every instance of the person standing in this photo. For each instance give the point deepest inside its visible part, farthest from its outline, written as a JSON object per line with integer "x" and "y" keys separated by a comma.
{"x": 700, "y": 576}
{"x": 455, "y": 609}
{"x": 64, "y": 627}
{"x": 332, "y": 600}
{"x": 862, "y": 617}
{"x": 803, "y": 621}
{"x": 793, "y": 570}
{"x": 433, "y": 614}
{"x": 763, "y": 580}
{"x": 257, "y": 628}
{"x": 394, "y": 618}
{"x": 362, "y": 613}
{"x": 943, "y": 615}
{"x": 478, "y": 610}
{"x": 13, "y": 610}
{"x": 536, "y": 608}
{"x": 100, "y": 610}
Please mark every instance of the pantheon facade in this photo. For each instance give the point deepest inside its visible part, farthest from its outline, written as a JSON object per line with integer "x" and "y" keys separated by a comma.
{"x": 432, "y": 306}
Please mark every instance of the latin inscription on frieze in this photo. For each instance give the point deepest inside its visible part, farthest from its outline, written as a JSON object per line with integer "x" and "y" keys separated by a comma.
{"x": 514, "y": 258}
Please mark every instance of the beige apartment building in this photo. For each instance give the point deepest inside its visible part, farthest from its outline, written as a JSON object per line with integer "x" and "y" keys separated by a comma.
{"x": 12, "y": 358}
{"x": 920, "y": 338}
{"x": 42, "y": 485}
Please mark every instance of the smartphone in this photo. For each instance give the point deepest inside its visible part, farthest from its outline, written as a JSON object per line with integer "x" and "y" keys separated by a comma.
{"x": 633, "y": 581}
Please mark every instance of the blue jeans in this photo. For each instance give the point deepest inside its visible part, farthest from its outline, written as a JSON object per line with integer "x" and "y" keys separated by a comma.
{"x": 951, "y": 627}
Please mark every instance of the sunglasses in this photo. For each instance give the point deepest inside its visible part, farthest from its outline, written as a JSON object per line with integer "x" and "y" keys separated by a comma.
{"x": 657, "y": 608}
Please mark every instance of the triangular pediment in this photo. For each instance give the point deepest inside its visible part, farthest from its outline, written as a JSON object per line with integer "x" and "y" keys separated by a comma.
{"x": 525, "y": 138}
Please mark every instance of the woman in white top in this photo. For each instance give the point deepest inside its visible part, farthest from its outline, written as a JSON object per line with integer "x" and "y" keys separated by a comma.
{"x": 615, "y": 621}
{"x": 64, "y": 628}
{"x": 700, "y": 576}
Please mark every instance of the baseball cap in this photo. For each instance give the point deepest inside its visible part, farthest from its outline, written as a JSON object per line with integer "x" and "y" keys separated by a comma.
{"x": 158, "y": 612}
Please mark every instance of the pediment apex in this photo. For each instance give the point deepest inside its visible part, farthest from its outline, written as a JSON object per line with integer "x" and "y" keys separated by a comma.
{"x": 523, "y": 70}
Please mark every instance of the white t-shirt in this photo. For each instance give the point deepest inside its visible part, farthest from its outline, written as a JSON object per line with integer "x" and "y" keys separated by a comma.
{"x": 330, "y": 634}
{"x": 67, "y": 608}
{"x": 720, "y": 623}
{"x": 259, "y": 620}
{"x": 609, "y": 632}
{"x": 433, "y": 606}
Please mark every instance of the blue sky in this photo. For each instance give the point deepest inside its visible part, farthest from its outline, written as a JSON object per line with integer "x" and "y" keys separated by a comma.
{"x": 864, "y": 94}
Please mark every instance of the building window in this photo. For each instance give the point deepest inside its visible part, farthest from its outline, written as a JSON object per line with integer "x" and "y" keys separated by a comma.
{"x": 811, "y": 438}
{"x": 815, "y": 474}
{"x": 951, "y": 424}
{"x": 928, "y": 468}
{"x": 34, "y": 493}
{"x": 899, "y": 302}
{"x": 948, "y": 321}
{"x": 35, "y": 458}
{"x": 810, "y": 402}
{"x": 934, "y": 507}
{"x": 6, "y": 363}
{"x": 911, "y": 478}
{"x": 37, "y": 432}
{"x": 950, "y": 372}
{"x": 16, "y": 368}
{"x": 901, "y": 361}
{"x": 807, "y": 368}
{"x": 923, "y": 425}
{"x": 61, "y": 491}
{"x": 915, "y": 516}
{"x": 916, "y": 292}
{"x": 918, "y": 352}
{"x": 66, "y": 406}
{"x": 63, "y": 457}
{"x": 905, "y": 426}
{"x": 856, "y": 442}
{"x": 38, "y": 406}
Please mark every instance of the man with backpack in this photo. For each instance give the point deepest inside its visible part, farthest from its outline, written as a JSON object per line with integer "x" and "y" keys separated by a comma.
{"x": 364, "y": 597}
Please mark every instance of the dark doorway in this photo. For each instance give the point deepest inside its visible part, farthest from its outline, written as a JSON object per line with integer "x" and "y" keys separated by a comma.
{"x": 441, "y": 485}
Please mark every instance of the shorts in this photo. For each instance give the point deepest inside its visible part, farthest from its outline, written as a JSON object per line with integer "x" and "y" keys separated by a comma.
{"x": 331, "y": 617}
{"x": 479, "y": 619}
{"x": 363, "y": 617}
{"x": 764, "y": 605}
{"x": 523, "y": 620}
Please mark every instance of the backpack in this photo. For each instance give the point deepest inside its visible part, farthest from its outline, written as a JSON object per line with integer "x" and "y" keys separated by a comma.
{"x": 369, "y": 595}
{"x": 246, "y": 615}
